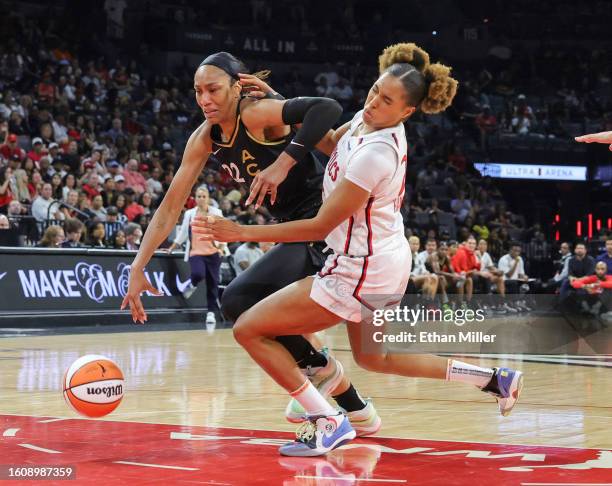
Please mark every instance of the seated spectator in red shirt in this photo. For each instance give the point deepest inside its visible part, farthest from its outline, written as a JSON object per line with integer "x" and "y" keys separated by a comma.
{"x": 46, "y": 89}
{"x": 595, "y": 284}
{"x": 37, "y": 151}
{"x": 132, "y": 208}
{"x": 5, "y": 188}
{"x": 465, "y": 260}
{"x": 133, "y": 178}
{"x": 92, "y": 186}
{"x": 10, "y": 148}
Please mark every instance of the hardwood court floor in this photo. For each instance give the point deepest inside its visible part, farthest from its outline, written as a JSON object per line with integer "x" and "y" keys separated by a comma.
{"x": 196, "y": 378}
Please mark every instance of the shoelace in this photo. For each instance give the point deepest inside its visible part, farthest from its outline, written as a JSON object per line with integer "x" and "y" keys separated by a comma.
{"x": 305, "y": 431}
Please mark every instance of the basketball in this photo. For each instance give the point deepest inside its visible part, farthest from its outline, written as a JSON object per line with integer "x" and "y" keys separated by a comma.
{"x": 93, "y": 385}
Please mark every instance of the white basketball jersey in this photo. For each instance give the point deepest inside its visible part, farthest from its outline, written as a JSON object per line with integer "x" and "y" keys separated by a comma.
{"x": 377, "y": 163}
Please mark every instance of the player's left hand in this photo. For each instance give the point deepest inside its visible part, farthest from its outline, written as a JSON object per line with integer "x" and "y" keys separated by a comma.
{"x": 255, "y": 87}
{"x": 268, "y": 180}
{"x": 215, "y": 228}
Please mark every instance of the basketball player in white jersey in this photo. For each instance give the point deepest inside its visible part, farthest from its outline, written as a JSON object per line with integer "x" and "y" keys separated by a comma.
{"x": 360, "y": 221}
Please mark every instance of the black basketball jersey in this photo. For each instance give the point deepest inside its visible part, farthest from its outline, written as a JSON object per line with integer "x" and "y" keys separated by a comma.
{"x": 298, "y": 196}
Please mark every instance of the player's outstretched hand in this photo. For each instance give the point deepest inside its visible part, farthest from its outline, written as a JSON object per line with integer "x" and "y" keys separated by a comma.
{"x": 255, "y": 87}
{"x": 215, "y": 228}
{"x": 601, "y": 137}
{"x": 137, "y": 285}
{"x": 268, "y": 180}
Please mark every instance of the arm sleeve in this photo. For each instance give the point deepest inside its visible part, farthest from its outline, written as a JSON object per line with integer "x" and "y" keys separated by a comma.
{"x": 317, "y": 116}
{"x": 371, "y": 166}
{"x": 520, "y": 270}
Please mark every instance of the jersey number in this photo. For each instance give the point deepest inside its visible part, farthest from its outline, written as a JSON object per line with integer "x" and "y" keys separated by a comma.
{"x": 332, "y": 166}
{"x": 233, "y": 171}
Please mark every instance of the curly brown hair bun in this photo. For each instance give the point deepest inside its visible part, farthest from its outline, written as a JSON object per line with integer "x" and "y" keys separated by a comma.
{"x": 405, "y": 52}
{"x": 442, "y": 89}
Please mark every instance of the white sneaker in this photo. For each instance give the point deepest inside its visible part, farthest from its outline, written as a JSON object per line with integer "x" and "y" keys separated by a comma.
{"x": 188, "y": 292}
{"x": 509, "y": 308}
{"x": 210, "y": 318}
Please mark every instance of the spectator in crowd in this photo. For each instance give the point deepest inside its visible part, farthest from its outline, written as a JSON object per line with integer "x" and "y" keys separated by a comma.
{"x": 246, "y": 255}
{"x": 37, "y": 149}
{"x": 133, "y": 235}
{"x": 133, "y": 178}
{"x": 492, "y": 275}
{"x": 6, "y": 173}
{"x": 53, "y": 237}
{"x": 146, "y": 202}
{"x": 68, "y": 184}
{"x": 606, "y": 256}
{"x": 10, "y": 150}
{"x": 480, "y": 228}
{"x": 513, "y": 268}
{"x": 120, "y": 184}
{"x": 589, "y": 289}
{"x": 120, "y": 204}
{"x": 56, "y": 186}
{"x": 15, "y": 209}
{"x": 440, "y": 264}
{"x": 461, "y": 207}
{"x": 119, "y": 240}
{"x": 419, "y": 275}
{"x": 426, "y": 177}
{"x": 466, "y": 265}
{"x": 97, "y": 208}
{"x": 204, "y": 257}
{"x": 108, "y": 191}
{"x": 96, "y": 235}
{"x": 487, "y": 126}
{"x": 91, "y": 187}
{"x": 44, "y": 206}
{"x": 561, "y": 266}
{"x": 154, "y": 185}
{"x": 73, "y": 229}
{"x": 132, "y": 209}
{"x": 580, "y": 265}
{"x": 4, "y": 222}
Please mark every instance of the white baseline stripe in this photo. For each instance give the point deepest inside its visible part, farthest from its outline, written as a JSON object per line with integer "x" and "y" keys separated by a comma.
{"x": 162, "y": 466}
{"x": 40, "y": 449}
{"x": 52, "y": 420}
{"x": 357, "y": 480}
{"x": 9, "y": 432}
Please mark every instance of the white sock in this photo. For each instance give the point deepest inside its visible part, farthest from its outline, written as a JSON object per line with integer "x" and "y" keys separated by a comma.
{"x": 468, "y": 373}
{"x": 312, "y": 401}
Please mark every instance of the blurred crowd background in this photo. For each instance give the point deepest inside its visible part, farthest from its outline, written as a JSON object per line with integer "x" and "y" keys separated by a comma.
{"x": 96, "y": 104}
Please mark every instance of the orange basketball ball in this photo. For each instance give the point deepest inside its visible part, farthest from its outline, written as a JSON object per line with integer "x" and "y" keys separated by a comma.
{"x": 93, "y": 385}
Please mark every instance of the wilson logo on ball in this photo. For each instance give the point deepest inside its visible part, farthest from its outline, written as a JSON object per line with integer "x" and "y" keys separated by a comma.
{"x": 109, "y": 391}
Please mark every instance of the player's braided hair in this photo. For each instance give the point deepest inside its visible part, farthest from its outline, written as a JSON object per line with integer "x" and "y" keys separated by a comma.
{"x": 429, "y": 87}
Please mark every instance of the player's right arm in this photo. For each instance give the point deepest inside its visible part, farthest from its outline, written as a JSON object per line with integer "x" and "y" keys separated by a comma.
{"x": 601, "y": 137}
{"x": 330, "y": 140}
{"x": 195, "y": 156}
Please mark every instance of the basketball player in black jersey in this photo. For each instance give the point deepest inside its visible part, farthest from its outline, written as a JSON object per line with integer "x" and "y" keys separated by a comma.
{"x": 254, "y": 141}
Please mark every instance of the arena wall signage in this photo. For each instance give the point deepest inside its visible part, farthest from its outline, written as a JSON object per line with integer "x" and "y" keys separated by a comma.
{"x": 58, "y": 280}
{"x": 533, "y": 171}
